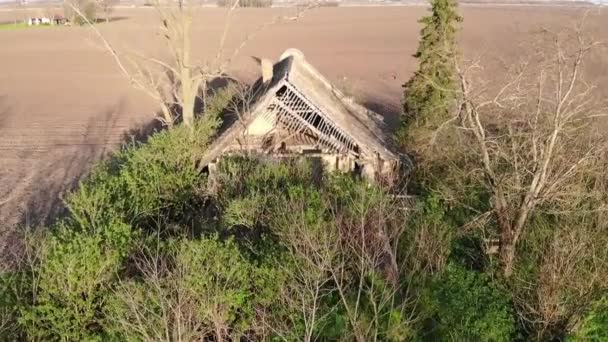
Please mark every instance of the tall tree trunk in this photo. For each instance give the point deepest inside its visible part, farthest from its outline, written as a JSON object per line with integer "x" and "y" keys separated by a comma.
{"x": 188, "y": 90}
{"x": 510, "y": 234}
{"x": 187, "y": 98}
{"x": 507, "y": 254}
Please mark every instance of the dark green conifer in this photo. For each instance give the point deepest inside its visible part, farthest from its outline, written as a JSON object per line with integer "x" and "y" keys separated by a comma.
{"x": 429, "y": 95}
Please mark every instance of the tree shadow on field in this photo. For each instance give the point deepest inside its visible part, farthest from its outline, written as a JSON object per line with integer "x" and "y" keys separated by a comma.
{"x": 63, "y": 174}
{"x": 58, "y": 166}
{"x": 101, "y": 136}
{"x": 389, "y": 112}
{"x": 141, "y": 134}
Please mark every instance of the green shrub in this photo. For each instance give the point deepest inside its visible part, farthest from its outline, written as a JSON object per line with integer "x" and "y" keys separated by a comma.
{"x": 594, "y": 326}
{"x": 144, "y": 186}
{"x": 146, "y": 183}
{"x": 251, "y": 189}
{"x": 320, "y": 226}
{"x": 468, "y": 307}
{"x": 427, "y": 242}
{"x": 13, "y": 296}
{"x": 73, "y": 280}
{"x": 277, "y": 253}
{"x": 208, "y": 288}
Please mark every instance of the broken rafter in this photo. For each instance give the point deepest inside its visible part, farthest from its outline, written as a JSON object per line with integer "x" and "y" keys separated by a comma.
{"x": 297, "y": 114}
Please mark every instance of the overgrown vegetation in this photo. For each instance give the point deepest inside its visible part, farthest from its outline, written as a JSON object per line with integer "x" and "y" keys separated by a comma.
{"x": 594, "y": 327}
{"x": 513, "y": 174}
{"x": 505, "y": 240}
{"x": 153, "y": 250}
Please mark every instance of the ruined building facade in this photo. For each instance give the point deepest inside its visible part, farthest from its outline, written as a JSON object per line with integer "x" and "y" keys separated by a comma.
{"x": 294, "y": 111}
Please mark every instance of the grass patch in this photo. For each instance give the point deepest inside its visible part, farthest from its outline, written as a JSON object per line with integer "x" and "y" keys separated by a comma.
{"x": 21, "y": 25}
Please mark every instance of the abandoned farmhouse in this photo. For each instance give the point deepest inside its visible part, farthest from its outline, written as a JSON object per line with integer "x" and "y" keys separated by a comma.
{"x": 294, "y": 111}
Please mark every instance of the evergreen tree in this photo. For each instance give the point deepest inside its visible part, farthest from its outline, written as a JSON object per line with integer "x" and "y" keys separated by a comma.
{"x": 429, "y": 94}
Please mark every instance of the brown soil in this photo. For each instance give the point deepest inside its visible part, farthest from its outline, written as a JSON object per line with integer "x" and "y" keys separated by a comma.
{"x": 63, "y": 103}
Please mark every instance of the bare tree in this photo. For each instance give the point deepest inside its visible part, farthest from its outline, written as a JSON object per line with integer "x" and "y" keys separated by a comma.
{"x": 535, "y": 139}
{"x": 188, "y": 294}
{"x": 350, "y": 256}
{"x": 80, "y": 11}
{"x": 107, "y": 6}
{"x": 572, "y": 273}
{"x": 20, "y": 12}
{"x": 177, "y": 85}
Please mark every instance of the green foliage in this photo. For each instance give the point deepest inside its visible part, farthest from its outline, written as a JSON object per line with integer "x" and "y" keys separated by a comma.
{"x": 562, "y": 269}
{"x": 429, "y": 100}
{"x": 73, "y": 279}
{"x": 468, "y": 307}
{"x": 594, "y": 326}
{"x": 427, "y": 243}
{"x": 146, "y": 183}
{"x": 13, "y": 295}
{"x": 20, "y": 26}
{"x": 226, "y": 281}
{"x": 429, "y": 95}
{"x": 216, "y": 289}
{"x": 309, "y": 258}
{"x": 333, "y": 226}
{"x": 250, "y": 189}
{"x": 146, "y": 186}
{"x": 267, "y": 251}
{"x": 150, "y": 184}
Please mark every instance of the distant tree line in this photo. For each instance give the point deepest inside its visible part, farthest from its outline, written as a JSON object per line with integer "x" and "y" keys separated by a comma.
{"x": 244, "y": 3}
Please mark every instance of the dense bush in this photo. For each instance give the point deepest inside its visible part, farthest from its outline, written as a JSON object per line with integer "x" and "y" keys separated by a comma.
{"x": 328, "y": 229}
{"x": 152, "y": 249}
{"x": 73, "y": 280}
{"x": 202, "y": 287}
{"x": 562, "y": 270}
{"x": 594, "y": 326}
{"x": 468, "y": 307}
{"x": 146, "y": 185}
{"x": 143, "y": 189}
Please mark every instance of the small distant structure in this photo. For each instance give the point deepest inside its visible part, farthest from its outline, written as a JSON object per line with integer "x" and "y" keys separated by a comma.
{"x": 34, "y": 21}
{"x": 294, "y": 111}
{"x": 55, "y": 20}
{"x": 60, "y": 20}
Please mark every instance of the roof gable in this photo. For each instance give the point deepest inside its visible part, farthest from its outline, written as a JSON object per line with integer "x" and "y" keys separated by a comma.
{"x": 300, "y": 101}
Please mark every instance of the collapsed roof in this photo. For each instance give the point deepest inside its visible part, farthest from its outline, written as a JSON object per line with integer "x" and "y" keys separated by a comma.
{"x": 295, "y": 110}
